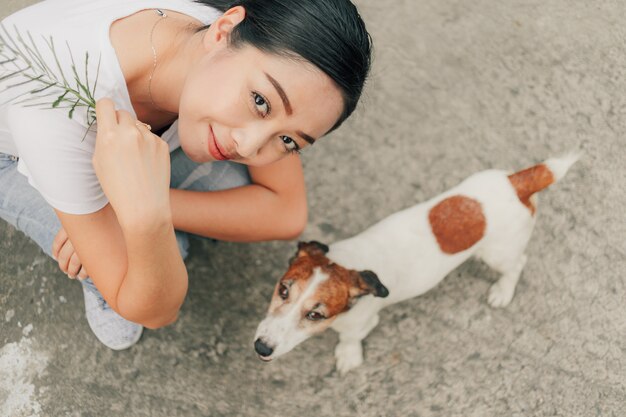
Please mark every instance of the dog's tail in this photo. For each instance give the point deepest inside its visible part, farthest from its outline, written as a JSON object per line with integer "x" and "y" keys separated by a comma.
{"x": 536, "y": 178}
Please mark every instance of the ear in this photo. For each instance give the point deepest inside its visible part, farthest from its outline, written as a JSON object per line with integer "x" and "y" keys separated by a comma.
{"x": 309, "y": 249}
{"x": 312, "y": 248}
{"x": 367, "y": 282}
{"x": 220, "y": 30}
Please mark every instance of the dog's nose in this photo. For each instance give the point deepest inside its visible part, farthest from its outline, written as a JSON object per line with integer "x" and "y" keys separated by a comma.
{"x": 262, "y": 349}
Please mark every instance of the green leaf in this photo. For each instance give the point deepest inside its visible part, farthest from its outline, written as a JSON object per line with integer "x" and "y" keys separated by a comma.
{"x": 21, "y": 57}
{"x": 71, "y": 113}
{"x": 58, "y": 100}
{"x": 13, "y": 74}
{"x": 95, "y": 84}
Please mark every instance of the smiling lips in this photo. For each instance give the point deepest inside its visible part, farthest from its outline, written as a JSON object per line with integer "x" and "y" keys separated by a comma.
{"x": 216, "y": 150}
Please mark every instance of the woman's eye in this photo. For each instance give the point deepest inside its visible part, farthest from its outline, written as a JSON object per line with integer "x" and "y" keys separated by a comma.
{"x": 283, "y": 292}
{"x": 261, "y": 105}
{"x": 290, "y": 144}
{"x": 314, "y": 316}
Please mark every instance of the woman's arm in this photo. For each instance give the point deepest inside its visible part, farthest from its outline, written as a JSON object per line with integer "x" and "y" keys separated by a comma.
{"x": 273, "y": 207}
{"x": 137, "y": 269}
{"x": 129, "y": 246}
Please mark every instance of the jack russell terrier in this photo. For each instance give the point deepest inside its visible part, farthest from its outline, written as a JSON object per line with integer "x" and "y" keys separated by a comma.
{"x": 490, "y": 215}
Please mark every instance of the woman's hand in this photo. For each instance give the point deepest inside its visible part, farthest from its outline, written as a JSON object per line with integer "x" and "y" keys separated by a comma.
{"x": 133, "y": 168}
{"x": 64, "y": 253}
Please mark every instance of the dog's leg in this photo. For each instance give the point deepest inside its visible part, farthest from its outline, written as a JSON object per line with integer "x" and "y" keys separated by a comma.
{"x": 501, "y": 293}
{"x": 504, "y": 252}
{"x": 349, "y": 350}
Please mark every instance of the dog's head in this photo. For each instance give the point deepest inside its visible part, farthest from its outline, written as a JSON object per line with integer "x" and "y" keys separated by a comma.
{"x": 308, "y": 298}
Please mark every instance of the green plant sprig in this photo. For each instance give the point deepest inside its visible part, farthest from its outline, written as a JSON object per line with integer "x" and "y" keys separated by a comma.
{"x": 21, "y": 59}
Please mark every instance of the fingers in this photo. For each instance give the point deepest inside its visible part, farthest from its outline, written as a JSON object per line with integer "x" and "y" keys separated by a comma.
{"x": 124, "y": 118}
{"x": 64, "y": 255}
{"x": 108, "y": 118}
{"x": 82, "y": 274}
{"x": 68, "y": 260}
{"x": 105, "y": 113}
{"x": 132, "y": 164}
{"x": 143, "y": 126}
{"x": 74, "y": 266}
{"x": 58, "y": 242}
{"x": 127, "y": 121}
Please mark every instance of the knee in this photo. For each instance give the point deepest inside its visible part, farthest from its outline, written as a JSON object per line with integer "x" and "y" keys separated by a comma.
{"x": 160, "y": 323}
{"x": 182, "y": 239}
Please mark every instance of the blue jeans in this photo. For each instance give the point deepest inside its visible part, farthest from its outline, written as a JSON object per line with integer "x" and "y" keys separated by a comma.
{"x": 24, "y": 208}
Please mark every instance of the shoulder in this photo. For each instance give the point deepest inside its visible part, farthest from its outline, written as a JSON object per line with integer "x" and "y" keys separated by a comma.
{"x": 55, "y": 155}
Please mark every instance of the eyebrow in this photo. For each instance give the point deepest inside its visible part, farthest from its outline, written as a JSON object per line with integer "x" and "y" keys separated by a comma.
{"x": 287, "y": 104}
{"x": 281, "y": 93}
{"x": 306, "y": 137}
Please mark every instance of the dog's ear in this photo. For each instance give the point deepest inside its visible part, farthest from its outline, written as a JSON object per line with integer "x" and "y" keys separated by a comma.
{"x": 309, "y": 248}
{"x": 312, "y": 248}
{"x": 367, "y": 282}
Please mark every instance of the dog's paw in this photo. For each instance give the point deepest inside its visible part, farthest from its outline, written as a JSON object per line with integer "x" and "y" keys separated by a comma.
{"x": 349, "y": 355}
{"x": 500, "y": 294}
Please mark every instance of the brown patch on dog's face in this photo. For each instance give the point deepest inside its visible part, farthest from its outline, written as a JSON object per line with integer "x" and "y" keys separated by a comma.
{"x": 294, "y": 282}
{"x": 330, "y": 297}
{"x": 335, "y": 293}
{"x": 458, "y": 223}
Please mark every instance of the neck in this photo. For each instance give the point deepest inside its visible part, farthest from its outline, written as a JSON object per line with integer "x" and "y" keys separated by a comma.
{"x": 174, "y": 41}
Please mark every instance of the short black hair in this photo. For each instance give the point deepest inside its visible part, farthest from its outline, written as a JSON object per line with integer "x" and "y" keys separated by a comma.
{"x": 330, "y": 34}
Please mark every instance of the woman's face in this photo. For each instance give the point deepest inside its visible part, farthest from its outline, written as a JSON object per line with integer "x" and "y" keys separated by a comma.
{"x": 253, "y": 107}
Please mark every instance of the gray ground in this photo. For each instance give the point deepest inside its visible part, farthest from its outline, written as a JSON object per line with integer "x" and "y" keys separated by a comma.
{"x": 456, "y": 87}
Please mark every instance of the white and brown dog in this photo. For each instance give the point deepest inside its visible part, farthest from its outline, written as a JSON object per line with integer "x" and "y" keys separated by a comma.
{"x": 490, "y": 215}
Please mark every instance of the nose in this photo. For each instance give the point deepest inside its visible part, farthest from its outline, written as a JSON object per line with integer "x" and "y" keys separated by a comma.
{"x": 249, "y": 140}
{"x": 262, "y": 349}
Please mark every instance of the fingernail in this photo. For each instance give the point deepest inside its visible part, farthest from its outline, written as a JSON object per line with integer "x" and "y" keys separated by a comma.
{"x": 70, "y": 277}
{"x": 137, "y": 123}
{"x": 54, "y": 257}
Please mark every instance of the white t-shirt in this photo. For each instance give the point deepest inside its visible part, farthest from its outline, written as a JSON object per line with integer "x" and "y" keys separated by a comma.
{"x": 52, "y": 155}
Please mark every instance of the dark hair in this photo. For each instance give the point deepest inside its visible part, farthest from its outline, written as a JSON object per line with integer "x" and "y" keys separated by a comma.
{"x": 329, "y": 34}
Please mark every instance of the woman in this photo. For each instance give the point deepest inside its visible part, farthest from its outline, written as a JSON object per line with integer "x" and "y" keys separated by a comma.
{"x": 244, "y": 83}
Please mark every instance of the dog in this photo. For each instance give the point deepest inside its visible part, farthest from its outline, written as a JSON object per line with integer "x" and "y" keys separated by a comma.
{"x": 489, "y": 215}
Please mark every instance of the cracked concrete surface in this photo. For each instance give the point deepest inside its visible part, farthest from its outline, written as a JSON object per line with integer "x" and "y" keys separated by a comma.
{"x": 456, "y": 87}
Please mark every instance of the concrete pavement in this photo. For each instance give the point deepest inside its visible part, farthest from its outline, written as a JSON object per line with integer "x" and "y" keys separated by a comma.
{"x": 456, "y": 87}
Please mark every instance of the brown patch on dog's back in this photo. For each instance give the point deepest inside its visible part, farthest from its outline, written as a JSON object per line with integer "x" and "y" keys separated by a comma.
{"x": 530, "y": 181}
{"x": 458, "y": 223}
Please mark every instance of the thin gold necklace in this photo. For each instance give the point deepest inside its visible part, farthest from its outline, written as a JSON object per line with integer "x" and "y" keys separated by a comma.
{"x": 162, "y": 14}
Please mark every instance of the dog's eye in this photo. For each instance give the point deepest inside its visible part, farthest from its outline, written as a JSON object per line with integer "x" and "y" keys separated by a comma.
{"x": 283, "y": 291}
{"x": 315, "y": 316}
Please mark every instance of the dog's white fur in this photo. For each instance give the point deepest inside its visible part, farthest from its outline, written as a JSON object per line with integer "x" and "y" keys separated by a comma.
{"x": 402, "y": 250}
